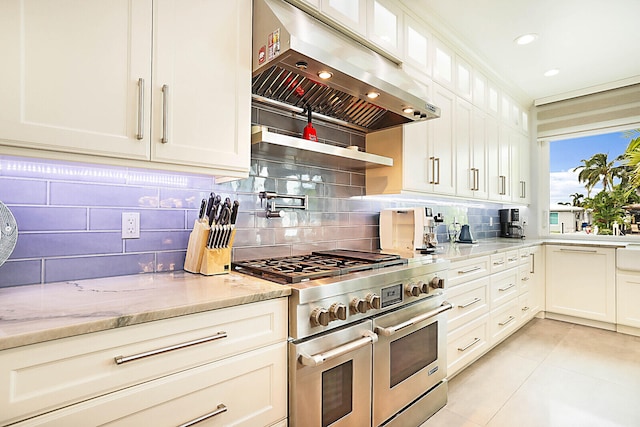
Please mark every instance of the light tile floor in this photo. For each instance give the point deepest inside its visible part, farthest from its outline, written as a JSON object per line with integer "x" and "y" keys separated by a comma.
{"x": 549, "y": 374}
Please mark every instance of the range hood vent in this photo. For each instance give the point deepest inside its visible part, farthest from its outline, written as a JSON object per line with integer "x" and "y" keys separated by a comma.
{"x": 291, "y": 48}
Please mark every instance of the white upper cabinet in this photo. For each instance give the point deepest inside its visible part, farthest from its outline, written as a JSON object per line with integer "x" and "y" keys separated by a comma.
{"x": 521, "y": 169}
{"x": 350, "y": 13}
{"x": 443, "y": 64}
{"x": 463, "y": 79}
{"x": 479, "y": 90}
{"x": 417, "y": 52}
{"x": 471, "y": 161}
{"x": 499, "y": 178}
{"x": 385, "y": 26}
{"x": 146, "y": 84}
{"x": 493, "y": 100}
{"x": 201, "y": 109}
{"x": 68, "y": 84}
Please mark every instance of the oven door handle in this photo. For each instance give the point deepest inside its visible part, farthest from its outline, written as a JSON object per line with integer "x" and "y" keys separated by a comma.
{"x": 387, "y": 332}
{"x": 368, "y": 338}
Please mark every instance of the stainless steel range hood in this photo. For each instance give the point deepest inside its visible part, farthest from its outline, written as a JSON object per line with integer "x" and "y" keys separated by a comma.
{"x": 290, "y": 48}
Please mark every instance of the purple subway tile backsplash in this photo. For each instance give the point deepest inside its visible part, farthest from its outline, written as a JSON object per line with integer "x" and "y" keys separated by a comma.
{"x": 69, "y": 214}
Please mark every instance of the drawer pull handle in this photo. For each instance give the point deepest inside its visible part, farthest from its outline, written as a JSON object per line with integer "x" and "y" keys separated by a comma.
{"x": 471, "y": 344}
{"x": 318, "y": 359}
{"x": 525, "y": 279}
{"x": 513, "y": 259}
{"x": 506, "y": 322}
{"x": 470, "y": 270}
{"x": 525, "y": 308}
{"x": 124, "y": 359}
{"x": 511, "y": 285}
{"x": 219, "y": 410}
{"x": 475, "y": 300}
{"x": 498, "y": 262}
{"x": 387, "y": 332}
{"x": 584, "y": 251}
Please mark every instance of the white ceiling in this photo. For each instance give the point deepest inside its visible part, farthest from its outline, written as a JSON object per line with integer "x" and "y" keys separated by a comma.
{"x": 591, "y": 42}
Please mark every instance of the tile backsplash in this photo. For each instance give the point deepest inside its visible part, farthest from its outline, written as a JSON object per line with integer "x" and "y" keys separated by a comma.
{"x": 69, "y": 214}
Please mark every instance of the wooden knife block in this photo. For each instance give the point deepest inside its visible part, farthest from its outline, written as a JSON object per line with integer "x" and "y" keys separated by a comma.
{"x": 196, "y": 247}
{"x": 217, "y": 261}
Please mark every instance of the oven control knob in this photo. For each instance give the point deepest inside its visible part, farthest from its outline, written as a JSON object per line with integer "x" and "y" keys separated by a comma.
{"x": 359, "y": 305}
{"x": 437, "y": 283}
{"x": 424, "y": 287}
{"x": 413, "y": 290}
{"x": 374, "y": 301}
{"x": 338, "y": 311}
{"x": 320, "y": 317}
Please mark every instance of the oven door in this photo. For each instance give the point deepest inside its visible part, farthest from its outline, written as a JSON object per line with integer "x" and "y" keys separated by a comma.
{"x": 330, "y": 378}
{"x": 410, "y": 355}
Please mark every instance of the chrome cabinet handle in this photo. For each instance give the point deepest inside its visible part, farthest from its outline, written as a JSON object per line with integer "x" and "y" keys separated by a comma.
{"x": 165, "y": 114}
{"x": 475, "y": 300}
{"x": 469, "y": 270}
{"x": 511, "y": 319}
{"x": 437, "y": 181}
{"x": 140, "y": 132}
{"x": 387, "y": 332}
{"x": 318, "y": 359}
{"x": 124, "y": 359}
{"x": 525, "y": 308}
{"x": 511, "y": 285}
{"x": 476, "y": 179}
{"x": 583, "y": 251}
{"x": 471, "y": 344}
{"x": 533, "y": 264}
{"x": 523, "y": 189}
{"x": 525, "y": 279}
{"x": 498, "y": 262}
{"x": 503, "y": 185}
{"x": 513, "y": 259}
{"x": 219, "y": 410}
{"x": 432, "y": 178}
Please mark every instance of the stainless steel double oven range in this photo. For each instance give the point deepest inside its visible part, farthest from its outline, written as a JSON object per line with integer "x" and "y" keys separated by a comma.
{"x": 367, "y": 337}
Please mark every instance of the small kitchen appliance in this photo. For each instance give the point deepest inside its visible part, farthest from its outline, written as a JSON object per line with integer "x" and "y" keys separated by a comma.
{"x": 409, "y": 229}
{"x": 510, "y": 223}
{"x": 465, "y": 235}
{"x": 367, "y": 336}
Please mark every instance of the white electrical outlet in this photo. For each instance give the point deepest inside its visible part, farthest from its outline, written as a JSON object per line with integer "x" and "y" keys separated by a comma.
{"x": 130, "y": 225}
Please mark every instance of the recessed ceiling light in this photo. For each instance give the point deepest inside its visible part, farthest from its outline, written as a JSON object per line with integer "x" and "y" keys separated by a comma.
{"x": 551, "y": 72}
{"x": 526, "y": 38}
{"x": 373, "y": 95}
{"x": 324, "y": 75}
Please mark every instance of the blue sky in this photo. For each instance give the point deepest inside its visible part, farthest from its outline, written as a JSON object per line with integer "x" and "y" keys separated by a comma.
{"x": 565, "y": 155}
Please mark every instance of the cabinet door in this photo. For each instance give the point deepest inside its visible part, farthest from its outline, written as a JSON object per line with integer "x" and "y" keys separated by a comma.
{"x": 463, "y": 78}
{"x": 479, "y": 153}
{"x": 443, "y": 150}
{"x": 75, "y": 77}
{"x": 415, "y": 157}
{"x": 384, "y": 26}
{"x": 523, "y": 190}
{"x": 628, "y": 296}
{"x": 466, "y": 175}
{"x": 498, "y": 160}
{"x": 581, "y": 282}
{"x": 417, "y": 46}
{"x": 537, "y": 275}
{"x": 202, "y": 84}
{"x": 350, "y": 13}
{"x": 442, "y": 64}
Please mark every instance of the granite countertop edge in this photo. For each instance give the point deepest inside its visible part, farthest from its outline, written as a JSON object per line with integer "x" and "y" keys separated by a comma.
{"x": 37, "y": 313}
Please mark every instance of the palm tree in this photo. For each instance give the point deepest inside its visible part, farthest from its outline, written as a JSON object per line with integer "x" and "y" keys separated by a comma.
{"x": 632, "y": 159}
{"x": 576, "y": 199}
{"x": 599, "y": 169}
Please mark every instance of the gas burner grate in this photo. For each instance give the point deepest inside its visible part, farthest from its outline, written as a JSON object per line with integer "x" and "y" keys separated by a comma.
{"x": 317, "y": 265}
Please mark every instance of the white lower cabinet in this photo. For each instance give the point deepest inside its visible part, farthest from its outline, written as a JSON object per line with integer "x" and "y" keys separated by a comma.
{"x": 628, "y": 307}
{"x": 164, "y": 372}
{"x": 581, "y": 282}
{"x": 467, "y": 343}
{"x": 504, "y": 321}
{"x": 249, "y": 390}
{"x": 492, "y": 296}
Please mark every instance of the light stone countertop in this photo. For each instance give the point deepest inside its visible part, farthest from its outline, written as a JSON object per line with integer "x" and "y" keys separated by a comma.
{"x": 36, "y": 313}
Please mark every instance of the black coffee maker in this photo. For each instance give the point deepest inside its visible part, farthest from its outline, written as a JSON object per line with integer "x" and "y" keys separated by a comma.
{"x": 510, "y": 223}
